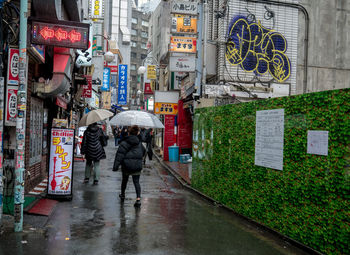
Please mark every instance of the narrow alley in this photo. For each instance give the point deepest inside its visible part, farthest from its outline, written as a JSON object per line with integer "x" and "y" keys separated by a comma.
{"x": 171, "y": 220}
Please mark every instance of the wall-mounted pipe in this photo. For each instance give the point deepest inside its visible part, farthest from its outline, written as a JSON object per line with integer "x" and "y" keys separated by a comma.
{"x": 306, "y": 39}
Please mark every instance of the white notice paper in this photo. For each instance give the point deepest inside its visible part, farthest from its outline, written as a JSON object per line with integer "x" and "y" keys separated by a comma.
{"x": 269, "y": 138}
{"x": 317, "y": 142}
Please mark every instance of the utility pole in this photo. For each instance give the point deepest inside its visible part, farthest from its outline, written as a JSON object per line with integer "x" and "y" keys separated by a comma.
{"x": 199, "y": 63}
{"x": 21, "y": 119}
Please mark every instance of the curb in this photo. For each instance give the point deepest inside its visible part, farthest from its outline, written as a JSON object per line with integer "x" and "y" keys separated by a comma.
{"x": 217, "y": 203}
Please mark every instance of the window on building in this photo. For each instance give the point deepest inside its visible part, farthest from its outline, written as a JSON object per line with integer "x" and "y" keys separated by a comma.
{"x": 133, "y": 44}
{"x": 36, "y": 131}
{"x": 144, "y": 34}
{"x": 134, "y": 21}
{"x": 133, "y": 78}
{"x": 143, "y": 46}
{"x": 133, "y": 67}
{"x": 133, "y": 54}
{"x": 133, "y": 32}
{"x": 143, "y": 56}
{"x": 144, "y": 23}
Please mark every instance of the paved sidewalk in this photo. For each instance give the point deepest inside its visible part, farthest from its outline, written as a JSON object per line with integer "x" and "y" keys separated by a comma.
{"x": 183, "y": 170}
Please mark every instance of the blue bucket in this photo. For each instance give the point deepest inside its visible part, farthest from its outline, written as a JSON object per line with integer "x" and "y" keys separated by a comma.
{"x": 173, "y": 153}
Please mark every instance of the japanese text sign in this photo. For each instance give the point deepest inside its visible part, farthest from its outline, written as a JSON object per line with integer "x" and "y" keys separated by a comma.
{"x": 148, "y": 89}
{"x": 11, "y": 105}
{"x": 96, "y": 9}
{"x": 183, "y": 44}
{"x": 184, "y": 25}
{"x": 13, "y": 67}
{"x": 61, "y": 161}
{"x": 182, "y": 64}
{"x": 87, "y": 88}
{"x": 122, "y": 84}
{"x": 106, "y": 79}
{"x": 165, "y": 108}
{"x": 151, "y": 72}
{"x": 183, "y": 7}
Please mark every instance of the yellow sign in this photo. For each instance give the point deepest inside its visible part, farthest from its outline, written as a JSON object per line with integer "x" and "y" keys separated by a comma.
{"x": 185, "y": 25}
{"x": 153, "y": 85}
{"x": 151, "y": 72}
{"x": 183, "y": 44}
{"x": 106, "y": 103}
{"x": 165, "y": 108}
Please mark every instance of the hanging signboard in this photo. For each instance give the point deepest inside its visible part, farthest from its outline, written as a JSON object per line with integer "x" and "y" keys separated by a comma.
{"x": 122, "y": 84}
{"x": 114, "y": 69}
{"x": 61, "y": 162}
{"x": 87, "y": 88}
{"x": 151, "y": 72}
{"x": 184, "y": 25}
{"x": 96, "y": 8}
{"x": 184, "y": 7}
{"x": 165, "y": 108}
{"x": 11, "y": 106}
{"x": 60, "y": 33}
{"x": 106, "y": 100}
{"x": 85, "y": 56}
{"x": 106, "y": 79}
{"x": 182, "y": 64}
{"x": 13, "y": 67}
{"x": 183, "y": 44}
{"x": 148, "y": 89}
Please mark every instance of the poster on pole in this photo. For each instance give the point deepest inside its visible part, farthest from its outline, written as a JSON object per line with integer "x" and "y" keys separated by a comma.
{"x": 11, "y": 106}
{"x": 61, "y": 162}
{"x": 269, "y": 138}
{"x": 13, "y": 67}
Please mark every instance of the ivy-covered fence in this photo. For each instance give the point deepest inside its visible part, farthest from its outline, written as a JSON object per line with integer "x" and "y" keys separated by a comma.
{"x": 309, "y": 200}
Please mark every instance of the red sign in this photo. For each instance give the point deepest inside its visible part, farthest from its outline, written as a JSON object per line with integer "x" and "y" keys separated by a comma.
{"x": 148, "y": 89}
{"x": 184, "y": 121}
{"x": 114, "y": 69}
{"x": 61, "y": 33}
{"x": 169, "y": 135}
{"x": 61, "y": 102}
{"x": 87, "y": 89}
{"x": 11, "y": 106}
{"x": 13, "y": 67}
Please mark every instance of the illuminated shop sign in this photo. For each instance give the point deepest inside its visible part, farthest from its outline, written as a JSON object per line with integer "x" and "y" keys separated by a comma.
{"x": 61, "y": 34}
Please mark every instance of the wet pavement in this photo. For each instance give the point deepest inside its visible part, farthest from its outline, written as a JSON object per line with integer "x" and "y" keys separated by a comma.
{"x": 171, "y": 220}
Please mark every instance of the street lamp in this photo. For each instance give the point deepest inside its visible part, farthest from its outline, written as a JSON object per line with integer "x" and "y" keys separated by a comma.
{"x": 109, "y": 57}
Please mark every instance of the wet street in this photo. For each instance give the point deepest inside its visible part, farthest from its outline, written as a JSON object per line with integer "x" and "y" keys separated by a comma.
{"x": 171, "y": 220}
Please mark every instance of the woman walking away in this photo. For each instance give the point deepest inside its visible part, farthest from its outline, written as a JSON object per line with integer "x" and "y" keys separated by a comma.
{"x": 129, "y": 156}
{"x": 92, "y": 148}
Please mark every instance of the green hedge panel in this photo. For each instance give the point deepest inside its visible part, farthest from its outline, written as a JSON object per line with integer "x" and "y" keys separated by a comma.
{"x": 307, "y": 201}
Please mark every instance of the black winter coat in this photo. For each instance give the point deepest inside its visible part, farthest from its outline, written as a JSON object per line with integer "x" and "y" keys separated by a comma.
{"x": 91, "y": 146}
{"x": 129, "y": 155}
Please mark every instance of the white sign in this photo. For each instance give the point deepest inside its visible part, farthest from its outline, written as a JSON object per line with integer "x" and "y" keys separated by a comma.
{"x": 183, "y": 7}
{"x": 269, "y": 138}
{"x": 183, "y": 64}
{"x": 85, "y": 56}
{"x": 96, "y": 9}
{"x": 166, "y": 97}
{"x": 61, "y": 161}
{"x": 317, "y": 142}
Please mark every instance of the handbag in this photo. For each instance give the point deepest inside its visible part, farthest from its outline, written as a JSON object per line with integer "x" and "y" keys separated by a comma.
{"x": 104, "y": 140}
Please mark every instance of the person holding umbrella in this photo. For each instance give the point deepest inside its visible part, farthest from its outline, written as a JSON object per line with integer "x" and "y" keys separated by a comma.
{"x": 93, "y": 142}
{"x": 129, "y": 156}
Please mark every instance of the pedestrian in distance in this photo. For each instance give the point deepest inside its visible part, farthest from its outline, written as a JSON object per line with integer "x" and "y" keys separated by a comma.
{"x": 116, "y": 135}
{"x": 146, "y": 138}
{"x": 129, "y": 157}
{"x": 92, "y": 147}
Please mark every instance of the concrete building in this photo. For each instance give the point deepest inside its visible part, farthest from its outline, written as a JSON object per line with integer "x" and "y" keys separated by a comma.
{"x": 307, "y": 47}
{"x": 139, "y": 40}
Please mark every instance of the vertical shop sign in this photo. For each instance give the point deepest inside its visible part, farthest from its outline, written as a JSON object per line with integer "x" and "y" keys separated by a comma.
{"x": 11, "y": 106}
{"x": 87, "y": 88}
{"x": 13, "y": 67}
{"x": 169, "y": 138}
{"x": 106, "y": 79}
{"x": 61, "y": 162}
{"x": 122, "y": 84}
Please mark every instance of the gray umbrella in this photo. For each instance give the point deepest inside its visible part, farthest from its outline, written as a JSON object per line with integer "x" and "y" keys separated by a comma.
{"x": 139, "y": 118}
{"x": 94, "y": 116}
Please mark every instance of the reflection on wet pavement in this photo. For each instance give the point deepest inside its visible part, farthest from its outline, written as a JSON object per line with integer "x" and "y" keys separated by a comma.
{"x": 171, "y": 220}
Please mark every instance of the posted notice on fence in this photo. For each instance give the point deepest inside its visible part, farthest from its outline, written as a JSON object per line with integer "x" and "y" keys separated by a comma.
{"x": 269, "y": 138}
{"x": 61, "y": 161}
{"x": 317, "y": 142}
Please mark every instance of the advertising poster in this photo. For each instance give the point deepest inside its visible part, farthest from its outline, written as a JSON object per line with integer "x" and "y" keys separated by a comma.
{"x": 122, "y": 84}
{"x": 11, "y": 105}
{"x": 61, "y": 162}
{"x": 13, "y": 67}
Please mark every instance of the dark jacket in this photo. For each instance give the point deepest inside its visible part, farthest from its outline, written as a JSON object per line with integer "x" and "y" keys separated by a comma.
{"x": 129, "y": 155}
{"x": 91, "y": 146}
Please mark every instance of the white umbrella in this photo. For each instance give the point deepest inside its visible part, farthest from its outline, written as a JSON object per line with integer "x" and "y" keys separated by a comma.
{"x": 94, "y": 116}
{"x": 139, "y": 118}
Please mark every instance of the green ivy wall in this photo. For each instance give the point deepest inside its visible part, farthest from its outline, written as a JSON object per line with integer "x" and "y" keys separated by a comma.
{"x": 307, "y": 201}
